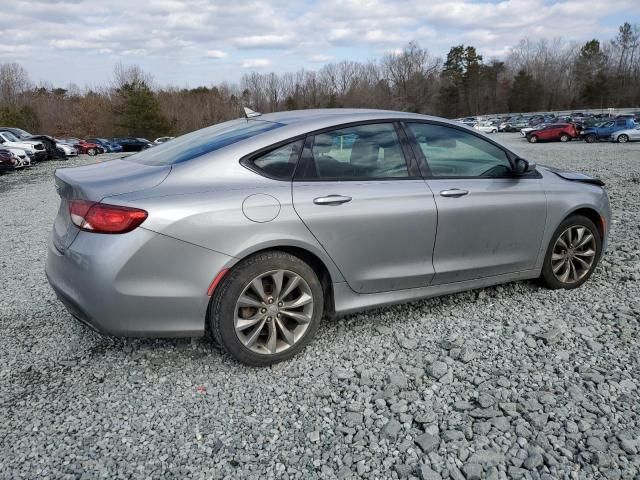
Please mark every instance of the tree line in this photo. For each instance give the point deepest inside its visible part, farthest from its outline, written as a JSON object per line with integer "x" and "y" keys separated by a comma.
{"x": 534, "y": 76}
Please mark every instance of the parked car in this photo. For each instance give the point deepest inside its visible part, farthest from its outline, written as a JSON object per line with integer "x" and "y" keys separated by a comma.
{"x": 486, "y": 127}
{"x": 8, "y": 161}
{"x": 82, "y": 146}
{"x": 133, "y": 144}
{"x": 18, "y": 132}
{"x": 160, "y": 140}
{"x": 628, "y": 135}
{"x": 108, "y": 146}
{"x": 50, "y": 145}
{"x": 259, "y": 227}
{"x": 563, "y": 132}
{"x": 514, "y": 125}
{"x": 525, "y": 131}
{"x": 603, "y": 131}
{"x": 67, "y": 149}
{"x": 35, "y": 150}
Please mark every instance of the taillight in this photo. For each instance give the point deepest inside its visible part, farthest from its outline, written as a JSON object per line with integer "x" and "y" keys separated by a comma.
{"x": 103, "y": 218}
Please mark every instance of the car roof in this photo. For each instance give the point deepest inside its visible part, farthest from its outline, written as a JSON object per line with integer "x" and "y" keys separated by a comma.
{"x": 337, "y": 115}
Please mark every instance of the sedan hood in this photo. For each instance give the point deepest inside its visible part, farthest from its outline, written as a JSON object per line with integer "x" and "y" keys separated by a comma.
{"x": 574, "y": 176}
{"x": 115, "y": 177}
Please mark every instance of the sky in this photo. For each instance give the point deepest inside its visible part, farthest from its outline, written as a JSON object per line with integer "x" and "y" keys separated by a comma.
{"x": 190, "y": 43}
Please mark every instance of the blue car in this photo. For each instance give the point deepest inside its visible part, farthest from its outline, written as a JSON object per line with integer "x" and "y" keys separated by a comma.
{"x": 109, "y": 147}
{"x": 602, "y": 131}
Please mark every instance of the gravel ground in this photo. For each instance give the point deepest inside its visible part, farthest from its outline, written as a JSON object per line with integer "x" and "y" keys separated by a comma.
{"x": 508, "y": 382}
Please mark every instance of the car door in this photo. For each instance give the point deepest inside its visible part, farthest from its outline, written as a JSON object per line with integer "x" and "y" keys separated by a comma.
{"x": 490, "y": 222}
{"x": 368, "y": 207}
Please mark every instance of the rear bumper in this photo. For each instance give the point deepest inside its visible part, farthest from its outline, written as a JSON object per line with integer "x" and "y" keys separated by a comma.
{"x": 140, "y": 284}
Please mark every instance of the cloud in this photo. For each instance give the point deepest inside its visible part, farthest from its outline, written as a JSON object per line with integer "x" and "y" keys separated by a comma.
{"x": 255, "y": 63}
{"x": 263, "y": 41}
{"x": 321, "y": 58}
{"x": 215, "y": 54}
{"x": 280, "y": 34}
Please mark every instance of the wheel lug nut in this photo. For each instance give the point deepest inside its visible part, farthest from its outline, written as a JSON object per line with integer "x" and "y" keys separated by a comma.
{"x": 269, "y": 319}
{"x": 270, "y": 300}
{"x": 263, "y": 310}
{"x": 279, "y": 304}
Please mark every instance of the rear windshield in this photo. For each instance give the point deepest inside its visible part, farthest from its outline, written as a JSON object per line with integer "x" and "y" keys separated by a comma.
{"x": 203, "y": 141}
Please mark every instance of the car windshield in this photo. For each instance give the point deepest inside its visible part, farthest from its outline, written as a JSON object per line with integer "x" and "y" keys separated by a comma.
{"x": 202, "y": 141}
{"x": 10, "y": 137}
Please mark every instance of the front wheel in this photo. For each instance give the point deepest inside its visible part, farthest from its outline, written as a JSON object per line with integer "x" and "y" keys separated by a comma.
{"x": 623, "y": 138}
{"x": 91, "y": 152}
{"x": 267, "y": 308}
{"x": 533, "y": 139}
{"x": 591, "y": 138}
{"x": 565, "y": 138}
{"x": 573, "y": 253}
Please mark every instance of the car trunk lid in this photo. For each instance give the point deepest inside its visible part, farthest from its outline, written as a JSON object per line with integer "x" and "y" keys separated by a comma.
{"x": 95, "y": 182}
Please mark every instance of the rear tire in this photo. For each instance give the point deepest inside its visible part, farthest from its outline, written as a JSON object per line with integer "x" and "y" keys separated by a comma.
{"x": 591, "y": 138}
{"x": 565, "y": 138}
{"x": 623, "y": 138}
{"x": 91, "y": 152}
{"x": 575, "y": 255}
{"x": 240, "y": 316}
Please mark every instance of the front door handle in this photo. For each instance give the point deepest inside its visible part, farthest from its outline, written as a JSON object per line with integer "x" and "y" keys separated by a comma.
{"x": 454, "y": 192}
{"x": 332, "y": 200}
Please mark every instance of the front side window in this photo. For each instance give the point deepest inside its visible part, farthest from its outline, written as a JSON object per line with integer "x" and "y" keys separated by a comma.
{"x": 201, "y": 142}
{"x": 279, "y": 163}
{"x": 451, "y": 152}
{"x": 361, "y": 152}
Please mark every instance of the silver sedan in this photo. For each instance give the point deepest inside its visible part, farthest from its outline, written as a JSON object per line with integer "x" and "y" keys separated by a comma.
{"x": 256, "y": 228}
{"x": 628, "y": 135}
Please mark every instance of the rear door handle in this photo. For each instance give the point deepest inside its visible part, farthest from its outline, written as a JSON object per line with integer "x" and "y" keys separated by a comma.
{"x": 332, "y": 200}
{"x": 454, "y": 192}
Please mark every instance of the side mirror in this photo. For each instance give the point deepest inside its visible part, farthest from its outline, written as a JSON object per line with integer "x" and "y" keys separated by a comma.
{"x": 523, "y": 166}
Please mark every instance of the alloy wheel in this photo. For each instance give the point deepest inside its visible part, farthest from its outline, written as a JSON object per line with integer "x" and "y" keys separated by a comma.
{"x": 573, "y": 254}
{"x": 273, "y": 312}
{"x": 623, "y": 139}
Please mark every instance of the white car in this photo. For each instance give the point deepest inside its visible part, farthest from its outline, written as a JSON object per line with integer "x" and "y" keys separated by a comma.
{"x": 160, "y": 140}
{"x": 21, "y": 156}
{"x": 486, "y": 127}
{"x": 628, "y": 135}
{"x": 32, "y": 147}
{"x": 69, "y": 150}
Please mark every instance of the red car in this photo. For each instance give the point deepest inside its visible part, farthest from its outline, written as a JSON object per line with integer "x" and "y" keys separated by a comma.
{"x": 7, "y": 161}
{"x": 553, "y": 132}
{"x": 83, "y": 146}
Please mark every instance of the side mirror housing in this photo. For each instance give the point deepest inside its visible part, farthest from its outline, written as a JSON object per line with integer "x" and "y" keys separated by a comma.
{"x": 523, "y": 166}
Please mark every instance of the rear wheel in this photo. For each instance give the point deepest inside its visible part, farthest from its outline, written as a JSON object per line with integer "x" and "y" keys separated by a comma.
{"x": 590, "y": 138}
{"x": 623, "y": 138}
{"x": 533, "y": 139}
{"x": 267, "y": 308}
{"x": 573, "y": 253}
{"x": 565, "y": 138}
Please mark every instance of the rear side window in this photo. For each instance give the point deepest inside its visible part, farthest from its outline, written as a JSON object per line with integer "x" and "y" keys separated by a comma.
{"x": 201, "y": 142}
{"x": 366, "y": 152}
{"x": 279, "y": 163}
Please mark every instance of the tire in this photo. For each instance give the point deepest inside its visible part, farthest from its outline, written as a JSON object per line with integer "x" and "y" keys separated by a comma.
{"x": 623, "y": 138}
{"x": 533, "y": 139}
{"x": 91, "y": 152}
{"x": 553, "y": 261}
{"x": 227, "y": 311}
{"x": 591, "y": 138}
{"x": 494, "y": 131}
{"x": 565, "y": 138}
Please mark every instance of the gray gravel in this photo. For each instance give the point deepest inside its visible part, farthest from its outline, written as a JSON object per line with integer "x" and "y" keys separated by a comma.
{"x": 466, "y": 386}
